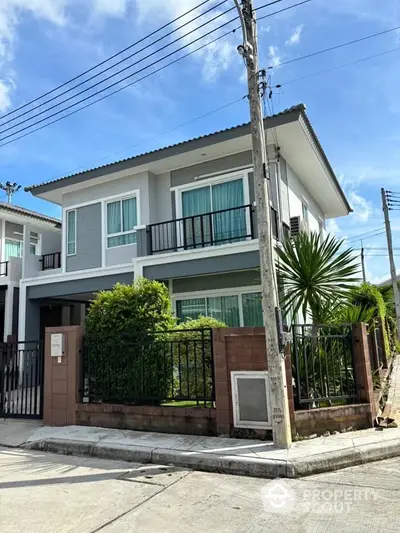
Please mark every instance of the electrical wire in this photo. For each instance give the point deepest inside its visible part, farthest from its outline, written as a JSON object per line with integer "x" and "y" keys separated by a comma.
{"x": 136, "y": 81}
{"x": 165, "y": 132}
{"x": 106, "y": 60}
{"x": 120, "y": 62}
{"x": 112, "y": 76}
{"x": 281, "y": 10}
{"x": 361, "y": 235}
{"x": 342, "y": 45}
{"x": 331, "y": 69}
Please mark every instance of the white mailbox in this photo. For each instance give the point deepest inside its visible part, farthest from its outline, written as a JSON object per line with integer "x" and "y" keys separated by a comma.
{"x": 57, "y": 344}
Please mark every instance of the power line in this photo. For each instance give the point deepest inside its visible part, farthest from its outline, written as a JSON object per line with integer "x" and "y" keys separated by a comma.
{"x": 362, "y": 235}
{"x": 191, "y": 121}
{"x": 120, "y": 62}
{"x": 140, "y": 79}
{"x": 111, "y": 76}
{"x": 105, "y": 60}
{"x": 331, "y": 69}
{"x": 281, "y": 10}
{"x": 342, "y": 45}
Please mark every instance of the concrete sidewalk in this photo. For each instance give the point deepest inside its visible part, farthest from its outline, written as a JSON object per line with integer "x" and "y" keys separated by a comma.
{"x": 214, "y": 454}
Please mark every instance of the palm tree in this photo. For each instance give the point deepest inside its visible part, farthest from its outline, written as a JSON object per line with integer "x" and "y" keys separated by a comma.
{"x": 315, "y": 274}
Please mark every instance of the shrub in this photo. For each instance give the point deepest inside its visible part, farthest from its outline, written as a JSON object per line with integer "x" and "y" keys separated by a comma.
{"x": 192, "y": 357}
{"x": 128, "y": 360}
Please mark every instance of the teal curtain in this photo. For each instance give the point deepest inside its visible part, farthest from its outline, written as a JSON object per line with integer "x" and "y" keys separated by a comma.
{"x": 252, "y": 309}
{"x": 129, "y": 214}
{"x": 229, "y": 226}
{"x": 191, "y": 308}
{"x": 196, "y": 231}
{"x": 12, "y": 249}
{"x": 224, "y": 308}
{"x": 71, "y": 230}
{"x": 114, "y": 217}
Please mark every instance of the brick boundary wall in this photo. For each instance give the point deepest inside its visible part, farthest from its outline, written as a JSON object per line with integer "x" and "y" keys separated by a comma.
{"x": 338, "y": 418}
{"x": 240, "y": 349}
{"x": 185, "y": 420}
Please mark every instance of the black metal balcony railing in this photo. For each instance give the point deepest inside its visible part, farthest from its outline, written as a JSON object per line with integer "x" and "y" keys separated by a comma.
{"x": 4, "y": 269}
{"x": 51, "y": 261}
{"x": 200, "y": 231}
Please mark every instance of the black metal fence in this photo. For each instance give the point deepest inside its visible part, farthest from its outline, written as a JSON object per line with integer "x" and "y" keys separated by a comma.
{"x": 169, "y": 366}
{"x": 51, "y": 261}
{"x": 208, "y": 229}
{"x": 323, "y": 365}
{"x": 21, "y": 379}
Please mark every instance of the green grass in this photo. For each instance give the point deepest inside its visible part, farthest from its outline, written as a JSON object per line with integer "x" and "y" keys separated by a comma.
{"x": 187, "y": 403}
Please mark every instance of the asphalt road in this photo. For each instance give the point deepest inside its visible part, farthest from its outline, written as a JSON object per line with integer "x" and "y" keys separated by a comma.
{"x": 45, "y": 493}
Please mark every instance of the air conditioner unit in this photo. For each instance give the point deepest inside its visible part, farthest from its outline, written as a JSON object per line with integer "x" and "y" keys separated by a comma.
{"x": 298, "y": 225}
{"x": 250, "y": 400}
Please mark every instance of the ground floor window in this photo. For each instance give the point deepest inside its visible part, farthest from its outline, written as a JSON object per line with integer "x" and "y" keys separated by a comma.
{"x": 241, "y": 309}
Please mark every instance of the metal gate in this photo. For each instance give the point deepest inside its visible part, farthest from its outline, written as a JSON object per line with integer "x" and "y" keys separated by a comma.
{"x": 21, "y": 379}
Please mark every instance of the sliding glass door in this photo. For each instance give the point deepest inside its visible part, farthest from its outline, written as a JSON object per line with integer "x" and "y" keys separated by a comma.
{"x": 206, "y": 227}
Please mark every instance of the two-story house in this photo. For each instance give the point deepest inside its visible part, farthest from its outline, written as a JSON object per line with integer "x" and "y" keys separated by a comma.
{"x": 184, "y": 214}
{"x": 23, "y": 234}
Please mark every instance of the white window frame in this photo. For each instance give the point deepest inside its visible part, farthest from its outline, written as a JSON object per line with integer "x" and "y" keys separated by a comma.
{"x": 120, "y": 199}
{"x": 253, "y": 424}
{"x": 215, "y": 180}
{"x": 215, "y": 294}
{"x": 68, "y": 211}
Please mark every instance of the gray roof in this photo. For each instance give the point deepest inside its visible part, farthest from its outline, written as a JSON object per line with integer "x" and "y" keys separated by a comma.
{"x": 174, "y": 149}
{"x": 18, "y": 210}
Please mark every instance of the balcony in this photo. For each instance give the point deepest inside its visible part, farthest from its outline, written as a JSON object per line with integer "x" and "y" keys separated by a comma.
{"x": 201, "y": 231}
{"x": 51, "y": 261}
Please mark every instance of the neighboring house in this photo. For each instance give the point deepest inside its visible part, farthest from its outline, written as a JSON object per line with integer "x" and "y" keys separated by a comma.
{"x": 24, "y": 236}
{"x": 185, "y": 215}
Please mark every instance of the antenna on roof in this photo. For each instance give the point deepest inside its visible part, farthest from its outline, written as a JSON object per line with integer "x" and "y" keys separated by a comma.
{"x": 10, "y": 189}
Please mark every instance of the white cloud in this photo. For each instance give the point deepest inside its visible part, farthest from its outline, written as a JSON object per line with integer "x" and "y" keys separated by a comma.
{"x": 295, "y": 37}
{"x": 362, "y": 207}
{"x": 5, "y": 100}
{"x": 273, "y": 54}
{"x": 332, "y": 226}
{"x": 112, "y": 8}
{"x": 216, "y": 57}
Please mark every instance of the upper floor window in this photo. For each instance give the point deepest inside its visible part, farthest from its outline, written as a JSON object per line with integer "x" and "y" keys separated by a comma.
{"x": 225, "y": 204}
{"x": 12, "y": 248}
{"x": 121, "y": 220}
{"x": 71, "y": 232}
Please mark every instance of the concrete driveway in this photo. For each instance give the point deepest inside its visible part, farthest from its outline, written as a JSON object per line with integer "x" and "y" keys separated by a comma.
{"x": 45, "y": 493}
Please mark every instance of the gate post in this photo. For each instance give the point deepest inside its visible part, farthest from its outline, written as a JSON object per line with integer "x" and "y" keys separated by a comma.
{"x": 62, "y": 377}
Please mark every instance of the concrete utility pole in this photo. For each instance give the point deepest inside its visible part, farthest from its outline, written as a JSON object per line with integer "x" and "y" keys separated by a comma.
{"x": 10, "y": 189}
{"x": 363, "y": 262}
{"x": 275, "y": 357}
{"x": 391, "y": 260}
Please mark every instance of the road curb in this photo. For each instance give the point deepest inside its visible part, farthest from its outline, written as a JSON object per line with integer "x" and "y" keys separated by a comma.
{"x": 225, "y": 464}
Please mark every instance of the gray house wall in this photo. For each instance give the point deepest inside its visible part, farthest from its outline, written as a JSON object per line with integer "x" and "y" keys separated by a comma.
{"x": 230, "y": 280}
{"x": 186, "y": 175}
{"x": 199, "y": 267}
{"x": 88, "y": 239}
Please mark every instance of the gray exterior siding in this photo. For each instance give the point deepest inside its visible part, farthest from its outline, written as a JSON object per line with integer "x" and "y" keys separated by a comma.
{"x": 198, "y": 267}
{"x": 121, "y": 255}
{"x": 88, "y": 239}
{"x": 222, "y": 165}
{"x": 79, "y": 286}
{"x": 245, "y": 278}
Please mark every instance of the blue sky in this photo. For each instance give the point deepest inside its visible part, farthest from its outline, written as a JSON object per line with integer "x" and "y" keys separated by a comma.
{"x": 355, "y": 110}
